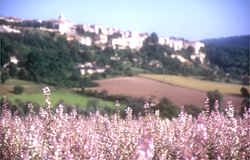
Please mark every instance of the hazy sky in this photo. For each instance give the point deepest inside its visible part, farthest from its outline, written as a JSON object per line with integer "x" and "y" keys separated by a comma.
{"x": 190, "y": 19}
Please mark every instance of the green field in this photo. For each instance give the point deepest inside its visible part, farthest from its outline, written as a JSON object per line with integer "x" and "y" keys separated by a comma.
{"x": 32, "y": 93}
{"x": 193, "y": 83}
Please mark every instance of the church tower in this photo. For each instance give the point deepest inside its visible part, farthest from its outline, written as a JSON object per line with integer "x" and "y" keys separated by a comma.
{"x": 63, "y": 24}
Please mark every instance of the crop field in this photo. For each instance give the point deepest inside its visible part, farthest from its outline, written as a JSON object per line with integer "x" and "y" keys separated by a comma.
{"x": 32, "y": 93}
{"x": 146, "y": 88}
{"x": 193, "y": 83}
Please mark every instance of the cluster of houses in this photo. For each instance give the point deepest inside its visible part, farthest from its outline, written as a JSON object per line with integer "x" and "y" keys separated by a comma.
{"x": 89, "y": 68}
{"x": 179, "y": 44}
{"x": 110, "y": 37}
{"x": 126, "y": 39}
{"x": 6, "y": 28}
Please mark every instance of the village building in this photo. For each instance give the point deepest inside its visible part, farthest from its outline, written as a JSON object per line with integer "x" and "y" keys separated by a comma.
{"x": 8, "y": 29}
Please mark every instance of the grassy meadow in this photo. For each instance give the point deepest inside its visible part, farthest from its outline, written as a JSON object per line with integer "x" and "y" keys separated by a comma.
{"x": 32, "y": 93}
{"x": 193, "y": 83}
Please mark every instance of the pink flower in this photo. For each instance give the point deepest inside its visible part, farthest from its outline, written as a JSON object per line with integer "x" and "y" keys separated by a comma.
{"x": 145, "y": 148}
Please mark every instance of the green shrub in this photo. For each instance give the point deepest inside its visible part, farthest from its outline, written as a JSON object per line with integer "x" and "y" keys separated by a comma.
{"x": 18, "y": 90}
{"x": 244, "y": 92}
{"x": 4, "y": 76}
{"x": 245, "y": 104}
{"x": 213, "y": 96}
{"x": 193, "y": 110}
{"x": 168, "y": 109}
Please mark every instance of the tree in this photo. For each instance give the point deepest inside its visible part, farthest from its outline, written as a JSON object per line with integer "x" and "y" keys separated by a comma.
{"x": 152, "y": 39}
{"x": 23, "y": 74}
{"x": 4, "y": 53}
{"x": 167, "y": 108}
{"x": 18, "y": 89}
{"x": 214, "y": 96}
{"x": 244, "y": 92}
{"x": 189, "y": 52}
{"x": 12, "y": 70}
{"x": 4, "y": 75}
{"x": 190, "y": 49}
{"x": 245, "y": 104}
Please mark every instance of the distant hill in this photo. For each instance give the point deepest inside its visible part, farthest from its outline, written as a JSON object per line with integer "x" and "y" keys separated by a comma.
{"x": 234, "y": 42}
{"x": 231, "y": 54}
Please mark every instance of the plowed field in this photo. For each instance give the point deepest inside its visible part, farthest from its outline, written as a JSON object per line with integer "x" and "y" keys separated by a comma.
{"x": 142, "y": 87}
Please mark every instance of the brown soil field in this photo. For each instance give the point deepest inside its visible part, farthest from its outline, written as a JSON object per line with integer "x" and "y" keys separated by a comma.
{"x": 146, "y": 88}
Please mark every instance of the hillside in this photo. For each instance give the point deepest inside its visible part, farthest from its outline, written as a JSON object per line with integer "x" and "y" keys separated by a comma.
{"x": 234, "y": 41}
{"x": 30, "y": 51}
{"x": 230, "y": 55}
{"x": 59, "y": 52}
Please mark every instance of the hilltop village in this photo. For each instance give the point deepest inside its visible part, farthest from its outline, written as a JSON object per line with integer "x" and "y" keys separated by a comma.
{"x": 103, "y": 37}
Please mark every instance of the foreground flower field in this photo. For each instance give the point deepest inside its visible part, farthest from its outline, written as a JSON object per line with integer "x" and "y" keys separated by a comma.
{"x": 72, "y": 136}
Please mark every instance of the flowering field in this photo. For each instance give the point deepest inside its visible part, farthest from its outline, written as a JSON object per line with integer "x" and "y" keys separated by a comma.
{"x": 72, "y": 136}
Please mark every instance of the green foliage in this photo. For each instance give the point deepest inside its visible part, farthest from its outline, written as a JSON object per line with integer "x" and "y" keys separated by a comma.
{"x": 49, "y": 58}
{"x": 152, "y": 50}
{"x": 135, "y": 103}
{"x": 43, "y": 58}
{"x": 244, "y": 92}
{"x": 82, "y": 32}
{"x": 234, "y": 42}
{"x": 193, "y": 110}
{"x": 12, "y": 69}
{"x": 213, "y": 97}
{"x": 4, "y": 75}
{"x": 231, "y": 55}
{"x": 87, "y": 82}
{"x": 18, "y": 90}
{"x": 152, "y": 40}
{"x": 167, "y": 108}
{"x": 23, "y": 74}
{"x": 245, "y": 104}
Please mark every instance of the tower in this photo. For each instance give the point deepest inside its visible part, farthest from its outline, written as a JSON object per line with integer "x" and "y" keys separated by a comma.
{"x": 61, "y": 17}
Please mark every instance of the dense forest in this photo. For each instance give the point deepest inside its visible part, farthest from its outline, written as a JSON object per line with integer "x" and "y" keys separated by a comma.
{"x": 231, "y": 42}
{"x": 230, "y": 54}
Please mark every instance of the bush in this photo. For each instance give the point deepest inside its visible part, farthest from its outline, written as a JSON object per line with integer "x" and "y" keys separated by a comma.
{"x": 245, "y": 104}
{"x": 87, "y": 82}
{"x": 23, "y": 74}
{"x": 18, "y": 90}
{"x": 167, "y": 108}
{"x": 193, "y": 110}
{"x": 244, "y": 92}
{"x": 93, "y": 103}
{"x": 4, "y": 76}
{"x": 213, "y": 96}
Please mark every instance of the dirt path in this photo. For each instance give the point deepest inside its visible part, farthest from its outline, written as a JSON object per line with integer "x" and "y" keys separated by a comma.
{"x": 141, "y": 87}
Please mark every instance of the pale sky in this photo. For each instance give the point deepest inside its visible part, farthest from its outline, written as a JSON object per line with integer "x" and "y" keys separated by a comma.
{"x": 189, "y": 19}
